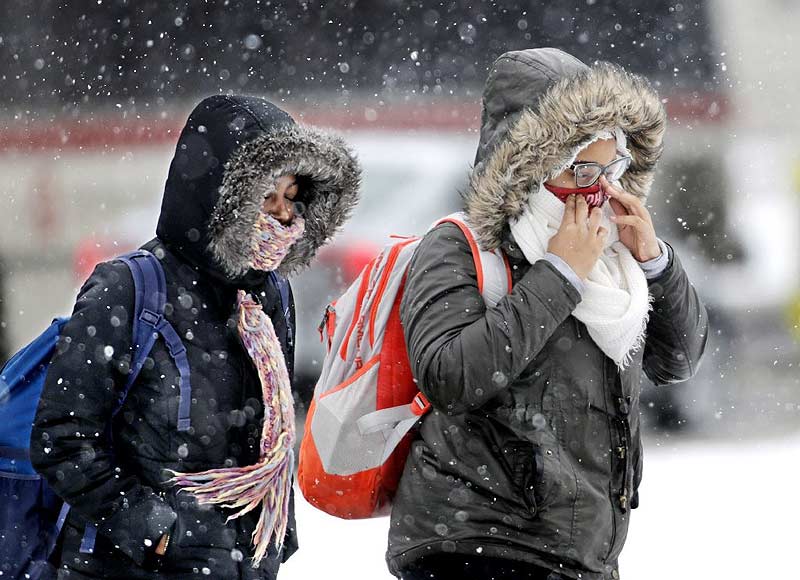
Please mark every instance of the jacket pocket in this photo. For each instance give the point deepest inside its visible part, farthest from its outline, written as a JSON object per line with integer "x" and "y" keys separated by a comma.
{"x": 200, "y": 538}
{"x": 197, "y": 526}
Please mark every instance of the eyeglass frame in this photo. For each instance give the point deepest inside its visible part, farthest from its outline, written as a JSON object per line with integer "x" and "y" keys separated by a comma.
{"x": 603, "y": 169}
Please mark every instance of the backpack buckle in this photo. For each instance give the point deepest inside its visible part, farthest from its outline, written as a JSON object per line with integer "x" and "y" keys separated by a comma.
{"x": 420, "y": 405}
{"x": 150, "y": 317}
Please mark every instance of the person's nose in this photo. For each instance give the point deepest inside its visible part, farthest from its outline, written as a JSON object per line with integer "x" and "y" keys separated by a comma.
{"x": 285, "y": 212}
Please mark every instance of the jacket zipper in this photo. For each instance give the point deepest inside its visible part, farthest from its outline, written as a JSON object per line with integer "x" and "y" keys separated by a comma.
{"x": 622, "y": 495}
{"x": 622, "y": 452}
{"x": 248, "y": 363}
{"x": 609, "y": 418}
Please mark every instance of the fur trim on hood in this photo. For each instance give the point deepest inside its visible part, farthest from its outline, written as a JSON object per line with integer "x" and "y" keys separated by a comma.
{"x": 228, "y": 157}
{"x": 332, "y": 177}
{"x": 540, "y": 108}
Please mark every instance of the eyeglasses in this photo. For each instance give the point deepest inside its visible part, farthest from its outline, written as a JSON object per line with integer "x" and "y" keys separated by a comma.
{"x": 587, "y": 174}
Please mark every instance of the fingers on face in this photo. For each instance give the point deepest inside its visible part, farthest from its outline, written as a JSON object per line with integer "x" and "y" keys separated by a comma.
{"x": 581, "y": 210}
{"x": 629, "y": 220}
{"x": 629, "y": 201}
{"x": 569, "y": 213}
{"x": 595, "y": 217}
{"x": 618, "y": 208}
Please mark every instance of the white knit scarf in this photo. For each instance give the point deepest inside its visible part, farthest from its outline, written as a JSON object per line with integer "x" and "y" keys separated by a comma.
{"x": 616, "y": 302}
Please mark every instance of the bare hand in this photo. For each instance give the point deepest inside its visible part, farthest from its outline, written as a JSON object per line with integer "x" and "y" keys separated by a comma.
{"x": 580, "y": 238}
{"x": 634, "y": 224}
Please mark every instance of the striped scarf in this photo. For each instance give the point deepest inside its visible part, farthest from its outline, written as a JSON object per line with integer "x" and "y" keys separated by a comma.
{"x": 269, "y": 482}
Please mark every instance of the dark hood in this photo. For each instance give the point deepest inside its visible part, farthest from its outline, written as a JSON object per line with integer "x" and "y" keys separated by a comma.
{"x": 540, "y": 107}
{"x": 228, "y": 156}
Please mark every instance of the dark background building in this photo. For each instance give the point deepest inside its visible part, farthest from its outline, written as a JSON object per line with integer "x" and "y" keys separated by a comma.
{"x": 61, "y": 56}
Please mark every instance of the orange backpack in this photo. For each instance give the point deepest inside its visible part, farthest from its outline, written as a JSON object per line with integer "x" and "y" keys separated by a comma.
{"x": 366, "y": 401}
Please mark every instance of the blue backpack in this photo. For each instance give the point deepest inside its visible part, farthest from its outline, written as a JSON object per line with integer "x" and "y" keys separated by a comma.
{"x": 31, "y": 514}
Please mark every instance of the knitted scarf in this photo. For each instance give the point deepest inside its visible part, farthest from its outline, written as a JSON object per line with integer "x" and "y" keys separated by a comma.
{"x": 273, "y": 241}
{"x": 616, "y": 302}
{"x": 268, "y": 483}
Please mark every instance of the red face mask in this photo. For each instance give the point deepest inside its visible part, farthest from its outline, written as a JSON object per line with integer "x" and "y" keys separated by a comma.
{"x": 593, "y": 195}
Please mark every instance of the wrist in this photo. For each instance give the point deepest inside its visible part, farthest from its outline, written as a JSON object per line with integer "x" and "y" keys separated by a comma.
{"x": 575, "y": 268}
{"x": 650, "y": 252}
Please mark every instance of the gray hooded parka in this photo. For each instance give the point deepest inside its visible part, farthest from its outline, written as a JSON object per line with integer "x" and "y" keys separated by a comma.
{"x": 533, "y": 449}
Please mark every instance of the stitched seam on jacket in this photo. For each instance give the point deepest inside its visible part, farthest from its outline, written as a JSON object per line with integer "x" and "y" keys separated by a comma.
{"x": 247, "y": 110}
{"x": 545, "y": 303}
{"x": 546, "y": 71}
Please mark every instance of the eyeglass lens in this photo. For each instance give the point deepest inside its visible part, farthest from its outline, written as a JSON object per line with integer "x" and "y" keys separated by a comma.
{"x": 588, "y": 174}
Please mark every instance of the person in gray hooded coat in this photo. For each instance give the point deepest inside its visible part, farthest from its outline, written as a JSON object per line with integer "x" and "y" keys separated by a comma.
{"x": 531, "y": 460}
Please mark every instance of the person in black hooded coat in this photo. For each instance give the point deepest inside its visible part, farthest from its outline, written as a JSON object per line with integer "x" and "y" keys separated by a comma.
{"x": 229, "y": 157}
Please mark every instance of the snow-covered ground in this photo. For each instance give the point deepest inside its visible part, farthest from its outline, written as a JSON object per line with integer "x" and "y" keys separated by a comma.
{"x": 710, "y": 510}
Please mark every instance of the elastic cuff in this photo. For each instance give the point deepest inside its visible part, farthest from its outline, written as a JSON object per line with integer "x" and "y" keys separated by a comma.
{"x": 566, "y": 271}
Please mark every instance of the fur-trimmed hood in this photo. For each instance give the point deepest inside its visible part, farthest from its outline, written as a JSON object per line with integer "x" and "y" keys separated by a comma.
{"x": 540, "y": 107}
{"x": 228, "y": 157}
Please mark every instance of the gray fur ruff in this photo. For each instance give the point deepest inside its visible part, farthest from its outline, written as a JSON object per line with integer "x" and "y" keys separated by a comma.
{"x": 251, "y": 173}
{"x": 545, "y": 139}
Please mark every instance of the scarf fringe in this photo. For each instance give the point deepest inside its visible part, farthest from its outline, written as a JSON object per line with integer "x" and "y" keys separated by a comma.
{"x": 242, "y": 489}
{"x": 269, "y": 482}
{"x": 641, "y": 339}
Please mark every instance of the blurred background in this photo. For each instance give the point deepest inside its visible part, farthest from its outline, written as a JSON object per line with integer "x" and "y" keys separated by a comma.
{"x": 93, "y": 95}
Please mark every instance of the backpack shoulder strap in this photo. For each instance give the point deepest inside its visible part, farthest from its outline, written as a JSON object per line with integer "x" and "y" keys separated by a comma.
{"x": 282, "y": 284}
{"x": 149, "y": 322}
{"x": 494, "y": 272}
{"x": 150, "y": 288}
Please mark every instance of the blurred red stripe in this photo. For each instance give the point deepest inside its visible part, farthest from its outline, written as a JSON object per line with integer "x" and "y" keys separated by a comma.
{"x": 111, "y": 132}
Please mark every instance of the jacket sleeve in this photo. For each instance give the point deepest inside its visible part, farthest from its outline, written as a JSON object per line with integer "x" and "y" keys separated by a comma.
{"x": 677, "y": 331}
{"x": 70, "y": 446}
{"x": 463, "y": 353}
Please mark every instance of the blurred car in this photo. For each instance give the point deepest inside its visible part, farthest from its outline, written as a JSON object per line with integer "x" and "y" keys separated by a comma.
{"x": 731, "y": 213}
